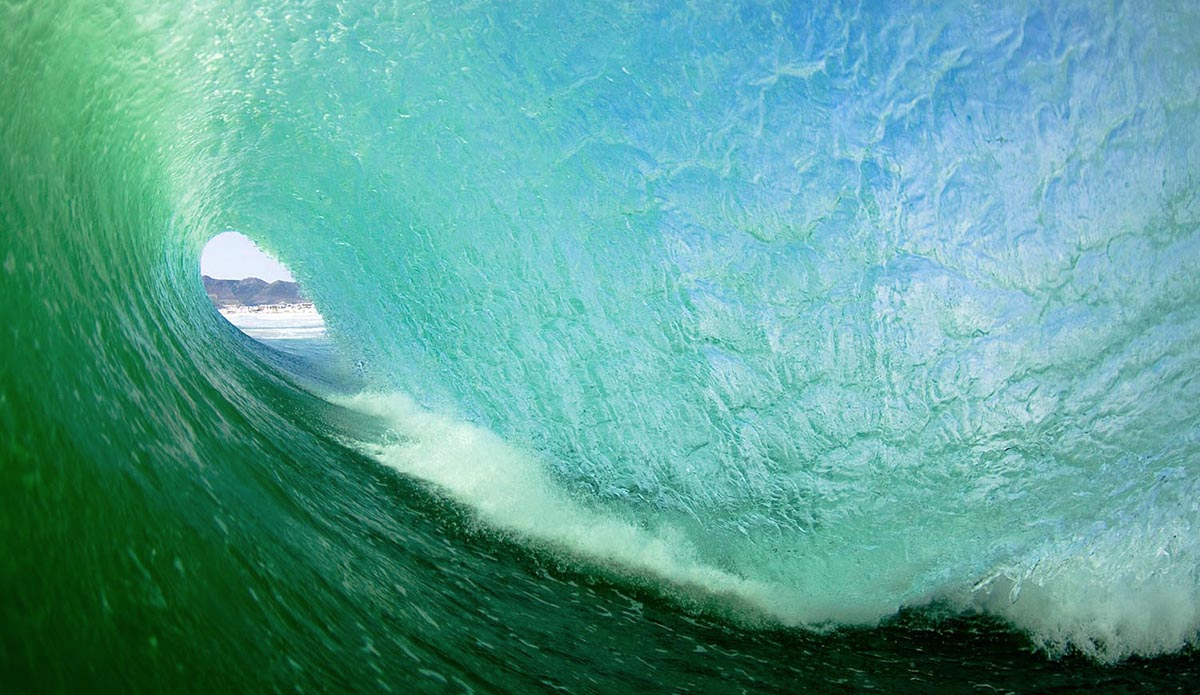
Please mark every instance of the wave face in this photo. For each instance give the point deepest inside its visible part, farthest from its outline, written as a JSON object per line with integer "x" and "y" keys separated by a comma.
{"x": 779, "y": 334}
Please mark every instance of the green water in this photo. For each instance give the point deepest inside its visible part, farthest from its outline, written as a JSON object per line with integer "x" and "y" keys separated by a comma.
{"x": 733, "y": 348}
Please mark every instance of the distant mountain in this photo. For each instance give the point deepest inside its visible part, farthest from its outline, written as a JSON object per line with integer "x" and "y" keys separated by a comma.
{"x": 252, "y": 292}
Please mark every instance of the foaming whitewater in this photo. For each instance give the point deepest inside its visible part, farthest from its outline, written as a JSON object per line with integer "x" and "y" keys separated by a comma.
{"x": 809, "y": 339}
{"x": 508, "y": 490}
{"x": 1065, "y": 594}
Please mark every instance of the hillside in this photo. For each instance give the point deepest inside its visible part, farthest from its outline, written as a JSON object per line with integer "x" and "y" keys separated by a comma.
{"x": 252, "y": 292}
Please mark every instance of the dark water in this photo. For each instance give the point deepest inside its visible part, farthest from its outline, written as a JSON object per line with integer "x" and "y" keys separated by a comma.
{"x": 753, "y": 347}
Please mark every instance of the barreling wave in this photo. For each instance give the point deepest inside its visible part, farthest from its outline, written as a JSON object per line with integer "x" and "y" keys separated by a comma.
{"x": 812, "y": 316}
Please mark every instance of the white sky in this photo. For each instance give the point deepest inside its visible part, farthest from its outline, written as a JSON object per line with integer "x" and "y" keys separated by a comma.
{"x": 232, "y": 256}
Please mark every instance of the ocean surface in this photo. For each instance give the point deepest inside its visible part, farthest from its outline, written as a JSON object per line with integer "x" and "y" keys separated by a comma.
{"x": 706, "y": 347}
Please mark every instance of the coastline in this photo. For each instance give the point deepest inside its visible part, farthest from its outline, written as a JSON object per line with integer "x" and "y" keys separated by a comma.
{"x": 276, "y": 321}
{"x": 304, "y": 308}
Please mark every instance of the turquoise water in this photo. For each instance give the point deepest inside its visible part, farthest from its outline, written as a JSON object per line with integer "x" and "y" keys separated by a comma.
{"x": 710, "y": 348}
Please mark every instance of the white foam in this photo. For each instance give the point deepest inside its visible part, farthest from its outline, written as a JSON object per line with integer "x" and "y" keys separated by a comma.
{"x": 277, "y": 323}
{"x": 1066, "y": 595}
{"x": 508, "y": 490}
{"x": 1122, "y": 593}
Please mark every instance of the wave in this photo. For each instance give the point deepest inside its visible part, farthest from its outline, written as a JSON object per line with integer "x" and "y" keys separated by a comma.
{"x": 803, "y": 317}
